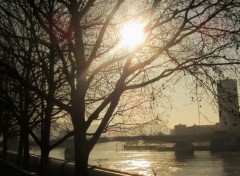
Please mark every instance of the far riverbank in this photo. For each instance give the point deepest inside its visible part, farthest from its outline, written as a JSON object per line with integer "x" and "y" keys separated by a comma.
{"x": 162, "y": 147}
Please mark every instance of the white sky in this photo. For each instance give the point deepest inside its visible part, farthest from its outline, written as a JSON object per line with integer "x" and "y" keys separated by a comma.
{"x": 184, "y": 111}
{"x": 187, "y": 113}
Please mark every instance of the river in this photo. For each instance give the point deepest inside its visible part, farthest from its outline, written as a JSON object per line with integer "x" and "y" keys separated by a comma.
{"x": 149, "y": 163}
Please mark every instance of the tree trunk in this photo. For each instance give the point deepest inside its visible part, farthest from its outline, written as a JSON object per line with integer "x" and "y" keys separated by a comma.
{"x": 5, "y": 140}
{"x": 81, "y": 156}
{"x": 20, "y": 149}
{"x": 45, "y": 138}
{"x": 81, "y": 149}
{"x": 25, "y": 162}
{"x": 44, "y": 161}
{"x": 23, "y": 150}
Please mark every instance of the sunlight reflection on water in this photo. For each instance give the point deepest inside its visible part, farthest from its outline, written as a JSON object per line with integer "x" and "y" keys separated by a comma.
{"x": 134, "y": 165}
{"x": 141, "y": 164}
{"x": 148, "y": 163}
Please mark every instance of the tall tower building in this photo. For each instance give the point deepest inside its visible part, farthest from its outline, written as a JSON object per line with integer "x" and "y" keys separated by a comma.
{"x": 229, "y": 116}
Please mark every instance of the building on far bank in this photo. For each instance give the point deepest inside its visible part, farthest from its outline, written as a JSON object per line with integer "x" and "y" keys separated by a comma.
{"x": 229, "y": 117}
{"x": 194, "y": 130}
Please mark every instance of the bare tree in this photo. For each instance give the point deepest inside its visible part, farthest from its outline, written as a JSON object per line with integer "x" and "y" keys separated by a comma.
{"x": 30, "y": 65}
{"x": 78, "y": 44}
{"x": 7, "y": 122}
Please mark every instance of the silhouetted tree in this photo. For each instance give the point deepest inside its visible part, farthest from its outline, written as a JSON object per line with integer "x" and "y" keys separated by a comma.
{"x": 34, "y": 66}
{"x": 77, "y": 44}
{"x": 5, "y": 115}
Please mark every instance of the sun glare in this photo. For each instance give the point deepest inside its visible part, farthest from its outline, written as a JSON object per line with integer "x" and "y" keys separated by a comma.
{"x": 132, "y": 34}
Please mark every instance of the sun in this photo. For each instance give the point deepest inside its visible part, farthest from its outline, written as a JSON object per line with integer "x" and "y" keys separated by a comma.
{"x": 132, "y": 35}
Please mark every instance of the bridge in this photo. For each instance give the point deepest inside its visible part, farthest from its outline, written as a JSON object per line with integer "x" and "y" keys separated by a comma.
{"x": 165, "y": 138}
{"x": 160, "y": 138}
{"x": 218, "y": 141}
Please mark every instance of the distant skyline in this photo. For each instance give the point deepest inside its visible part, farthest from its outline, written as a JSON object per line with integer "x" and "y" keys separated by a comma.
{"x": 186, "y": 113}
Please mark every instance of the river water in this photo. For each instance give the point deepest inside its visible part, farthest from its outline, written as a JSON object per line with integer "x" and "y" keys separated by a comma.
{"x": 149, "y": 163}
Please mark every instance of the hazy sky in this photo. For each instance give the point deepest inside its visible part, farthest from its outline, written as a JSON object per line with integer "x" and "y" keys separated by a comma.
{"x": 186, "y": 112}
